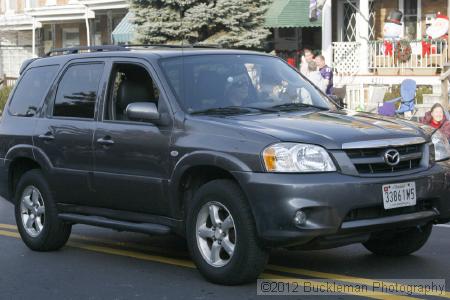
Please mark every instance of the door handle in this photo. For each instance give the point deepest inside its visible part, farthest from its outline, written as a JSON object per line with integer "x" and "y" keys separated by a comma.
{"x": 105, "y": 141}
{"x": 48, "y": 136}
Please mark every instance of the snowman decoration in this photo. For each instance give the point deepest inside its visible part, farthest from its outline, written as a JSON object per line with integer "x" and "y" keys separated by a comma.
{"x": 439, "y": 27}
{"x": 392, "y": 31}
{"x": 393, "y": 27}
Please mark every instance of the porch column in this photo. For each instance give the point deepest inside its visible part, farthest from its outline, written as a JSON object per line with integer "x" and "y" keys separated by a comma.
{"x": 88, "y": 31}
{"x": 448, "y": 39}
{"x": 109, "y": 25}
{"x": 362, "y": 25}
{"x": 33, "y": 38}
{"x": 327, "y": 36}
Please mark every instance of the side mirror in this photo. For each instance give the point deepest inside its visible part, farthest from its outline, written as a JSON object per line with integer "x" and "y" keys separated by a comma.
{"x": 142, "y": 111}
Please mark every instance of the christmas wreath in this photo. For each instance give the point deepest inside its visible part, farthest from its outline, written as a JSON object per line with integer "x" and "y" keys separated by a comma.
{"x": 402, "y": 51}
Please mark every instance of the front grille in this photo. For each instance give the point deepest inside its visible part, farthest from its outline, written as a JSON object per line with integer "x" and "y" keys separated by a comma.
{"x": 371, "y": 160}
{"x": 379, "y": 211}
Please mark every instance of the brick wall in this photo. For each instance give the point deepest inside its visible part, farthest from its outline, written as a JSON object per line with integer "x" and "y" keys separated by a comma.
{"x": 59, "y": 33}
{"x": 382, "y": 9}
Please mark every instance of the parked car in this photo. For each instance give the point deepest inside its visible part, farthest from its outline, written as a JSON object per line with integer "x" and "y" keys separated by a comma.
{"x": 233, "y": 150}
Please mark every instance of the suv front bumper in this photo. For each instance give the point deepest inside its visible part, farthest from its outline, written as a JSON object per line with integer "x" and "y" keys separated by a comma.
{"x": 339, "y": 207}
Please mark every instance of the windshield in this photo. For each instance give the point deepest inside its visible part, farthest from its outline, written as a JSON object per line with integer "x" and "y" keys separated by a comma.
{"x": 207, "y": 83}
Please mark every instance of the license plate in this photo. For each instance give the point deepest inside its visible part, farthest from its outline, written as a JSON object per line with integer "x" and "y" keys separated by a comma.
{"x": 399, "y": 195}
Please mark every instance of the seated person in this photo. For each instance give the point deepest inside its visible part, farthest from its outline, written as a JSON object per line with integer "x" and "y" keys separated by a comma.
{"x": 237, "y": 90}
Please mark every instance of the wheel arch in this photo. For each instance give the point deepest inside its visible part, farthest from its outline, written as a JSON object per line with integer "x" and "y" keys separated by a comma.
{"x": 19, "y": 160}
{"x": 195, "y": 170}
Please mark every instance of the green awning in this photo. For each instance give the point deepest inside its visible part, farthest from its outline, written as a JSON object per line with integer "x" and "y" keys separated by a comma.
{"x": 290, "y": 13}
{"x": 124, "y": 32}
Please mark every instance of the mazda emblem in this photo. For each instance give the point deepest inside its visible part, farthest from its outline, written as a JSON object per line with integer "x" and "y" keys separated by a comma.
{"x": 392, "y": 157}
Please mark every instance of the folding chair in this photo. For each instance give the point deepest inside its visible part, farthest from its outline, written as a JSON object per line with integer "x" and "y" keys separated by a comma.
{"x": 407, "y": 101}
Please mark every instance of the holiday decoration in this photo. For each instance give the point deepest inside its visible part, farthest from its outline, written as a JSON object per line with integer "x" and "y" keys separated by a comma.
{"x": 402, "y": 51}
{"x": 388, "y": 48}
{"x": 439, "y": 27}
{"x": 426, "y": 47}
{"x": 392, "y": 31}
{"x": 315, "y": 9}
{"x": 393, "y": 27}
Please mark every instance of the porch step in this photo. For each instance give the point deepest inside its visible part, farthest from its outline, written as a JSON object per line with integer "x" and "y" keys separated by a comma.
{"x": 422, "y": 109}
{"x": 431, "y": 99}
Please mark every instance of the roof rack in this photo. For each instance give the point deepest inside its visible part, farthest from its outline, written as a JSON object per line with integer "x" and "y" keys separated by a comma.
{"x": 75, "y": 50}
{"x": 173, "y": 46}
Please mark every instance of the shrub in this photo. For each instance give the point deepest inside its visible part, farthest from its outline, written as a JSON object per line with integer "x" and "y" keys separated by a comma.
{"x": 394, "y": 92}
{"x": 4, "y": 93}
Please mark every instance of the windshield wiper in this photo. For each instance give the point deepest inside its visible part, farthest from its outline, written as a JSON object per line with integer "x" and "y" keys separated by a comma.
{"x": 228, "y": 110}
{"x": 291, "y": 106}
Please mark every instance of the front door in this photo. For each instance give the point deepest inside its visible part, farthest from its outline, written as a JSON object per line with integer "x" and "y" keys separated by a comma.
{"x": 66, "y": 130}
{"x": 131, "y": 157}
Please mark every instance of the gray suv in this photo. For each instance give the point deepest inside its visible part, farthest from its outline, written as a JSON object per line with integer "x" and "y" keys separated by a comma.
{"x": 233, "y": 150}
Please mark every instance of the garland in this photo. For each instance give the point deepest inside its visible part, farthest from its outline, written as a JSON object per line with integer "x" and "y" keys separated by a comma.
{"x": 402, "y": 51}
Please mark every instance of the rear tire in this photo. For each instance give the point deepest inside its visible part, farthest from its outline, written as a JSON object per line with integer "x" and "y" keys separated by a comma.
{"x": 240, "y": 257}
{"x": 399, "y": 243}
{"x": 36, "y": 214}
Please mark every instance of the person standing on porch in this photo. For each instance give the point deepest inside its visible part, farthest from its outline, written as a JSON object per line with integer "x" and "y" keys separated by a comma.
{"x": 326, "y": 72}
{"x": 315, "y": 77}
{"x": 307, "y": 57}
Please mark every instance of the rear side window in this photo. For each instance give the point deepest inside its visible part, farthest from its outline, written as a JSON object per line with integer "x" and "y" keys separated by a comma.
{"x": 31, "y": 90}
{"x": 77, "y": 91}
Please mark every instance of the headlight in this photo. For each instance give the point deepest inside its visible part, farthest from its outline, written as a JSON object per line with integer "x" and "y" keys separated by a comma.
{"x": 441, "y": 146}
{"x": 296, "y": 158}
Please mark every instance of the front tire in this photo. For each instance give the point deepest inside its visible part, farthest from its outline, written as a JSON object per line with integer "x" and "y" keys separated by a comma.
{"x": 399, "y": 243}
{"x": 36, "y": 214}
{"x": 221, "y": 235}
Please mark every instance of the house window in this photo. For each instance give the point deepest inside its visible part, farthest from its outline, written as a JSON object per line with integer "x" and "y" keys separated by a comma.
{"x": 410, "y": 19}
{"x": 70, "y": 37}
{"x": 47, "y": 37}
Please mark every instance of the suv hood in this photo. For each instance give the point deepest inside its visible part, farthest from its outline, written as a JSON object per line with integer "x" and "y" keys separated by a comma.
{"x": 330, "y": 129}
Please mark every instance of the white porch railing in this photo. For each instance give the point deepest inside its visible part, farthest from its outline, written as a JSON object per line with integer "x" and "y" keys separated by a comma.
{"x": 426, "y": 58}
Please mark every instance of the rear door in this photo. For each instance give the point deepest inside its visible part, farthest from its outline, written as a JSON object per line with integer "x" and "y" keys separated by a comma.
{"x": 66, "y": 130}
{"x": 132, "y": 157}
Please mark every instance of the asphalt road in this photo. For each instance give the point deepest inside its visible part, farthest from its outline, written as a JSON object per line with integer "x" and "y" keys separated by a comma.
{"x": 104, "y": 264}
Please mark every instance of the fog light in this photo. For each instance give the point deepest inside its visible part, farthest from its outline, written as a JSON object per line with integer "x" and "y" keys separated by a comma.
{"x": 300, "y": 218}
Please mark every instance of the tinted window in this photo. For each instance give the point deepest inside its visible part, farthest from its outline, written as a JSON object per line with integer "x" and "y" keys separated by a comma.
{"x": 77, "y": 91}
{"x": 31, "y": 89}
{"x": 217, "y": 81}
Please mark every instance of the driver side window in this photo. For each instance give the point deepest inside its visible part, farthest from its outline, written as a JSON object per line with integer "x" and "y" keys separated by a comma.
{"x": 129, "y": 83}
